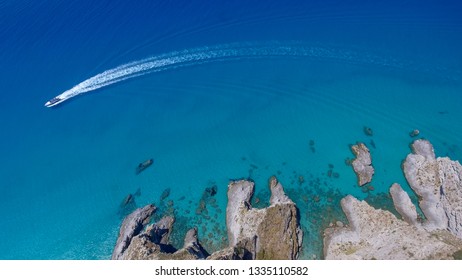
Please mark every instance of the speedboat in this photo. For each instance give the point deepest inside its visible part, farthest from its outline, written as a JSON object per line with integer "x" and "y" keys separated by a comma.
{"x": 54, "y": 101}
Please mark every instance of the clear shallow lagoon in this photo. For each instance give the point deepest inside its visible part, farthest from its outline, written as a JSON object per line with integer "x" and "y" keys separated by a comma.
{"x": 66, "y": 170}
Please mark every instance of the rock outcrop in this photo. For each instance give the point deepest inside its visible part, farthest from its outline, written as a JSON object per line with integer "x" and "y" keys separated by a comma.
{"x": 192, "y": 249}
{"x": 131, "y": 226}
{"x": 144, "y": 247}
{"x": 269, "y": 233}
{"x": 404, "y": 205}
{"x": 438, "y": 183}
{"x": 159, "y": 232}
{"x": 362, "y": 164}
{"x": 414, "y": 133}
{"x": 378, "y": 234}
{"x": 229, "y": 253}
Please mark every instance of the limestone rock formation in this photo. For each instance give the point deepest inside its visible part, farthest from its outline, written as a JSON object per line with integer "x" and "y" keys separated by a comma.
{"x": 404, "y": 205}
{"x": 438, "y": 183}
{"x": 378, "y": 234}
{"x": 152, "y": 243}
{"x": 239, "y": 195}
{"x": 229, "y": 253}
{"x": 362, "y": 164}
{"x": 131, "y": 226}
{"x": 270, "y": 233}
{"x": 192, "y": 249}
{"x": 159, "y": 232}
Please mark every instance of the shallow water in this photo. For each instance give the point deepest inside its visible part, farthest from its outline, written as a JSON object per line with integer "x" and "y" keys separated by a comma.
{"x": 66, "y": 170}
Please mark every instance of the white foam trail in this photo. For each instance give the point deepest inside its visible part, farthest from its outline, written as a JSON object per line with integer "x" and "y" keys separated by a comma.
{"x": 210, "y": 54}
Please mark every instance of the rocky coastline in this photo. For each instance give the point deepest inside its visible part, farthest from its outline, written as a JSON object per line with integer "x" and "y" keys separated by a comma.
{"x": 274, "y": 232}
{"x": 378, "y": 234}
{"x": 268, "y": 233}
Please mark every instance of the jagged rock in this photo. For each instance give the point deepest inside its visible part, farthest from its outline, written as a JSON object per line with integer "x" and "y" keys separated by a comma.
{"x": 279, "y": 236}
{"x": 269, "y": 233}
{"x": 362, "y": 164}
{"x": 451, "y": 193}
{"x": 378, "y": 234}
{"x": 131, "y": 226}
{"x": 142, "y": 247}
{"x": 229, "y": 253}
{"x": 159, "y": 232}
{"x": 278, "y": 196}
{"x": 438, "y": 183}
{"x": 192, "y": 249}
{"x": 248, "y": 246}
{"x": 404, "y": 205}
{"x": 239, "y": 195}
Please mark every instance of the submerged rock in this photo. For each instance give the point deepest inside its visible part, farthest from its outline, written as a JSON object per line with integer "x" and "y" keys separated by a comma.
{"x": 128, "y": 204}
{"x": 312, "y": 147}
{"x": 165, "y": 194}
{"x": 368, "y": 131}
{"x": 372, "y": 143}
{"x": 143, "y": 165}
{"x": 127, "y": 200}
{"x": 209, "y": 192}
{"x": 362, "y": 164}
{"x": 438, "y": 183}
{"x": 414, "y": 133}
{"x": 378, "y": 234}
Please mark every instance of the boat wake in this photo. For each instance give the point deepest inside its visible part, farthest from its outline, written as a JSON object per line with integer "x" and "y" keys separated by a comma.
{"x": 209, "y": 54}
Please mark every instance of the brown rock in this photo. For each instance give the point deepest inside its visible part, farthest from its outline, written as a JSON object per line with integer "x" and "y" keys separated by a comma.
{"x": 362, "y": 164}
{"x": 378, "y": 234}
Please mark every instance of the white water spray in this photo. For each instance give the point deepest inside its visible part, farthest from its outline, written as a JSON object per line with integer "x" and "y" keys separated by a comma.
{"x": 210, "y": 54}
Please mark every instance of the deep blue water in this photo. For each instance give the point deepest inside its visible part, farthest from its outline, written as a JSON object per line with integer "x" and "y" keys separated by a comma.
{"x": 396, "y": 66}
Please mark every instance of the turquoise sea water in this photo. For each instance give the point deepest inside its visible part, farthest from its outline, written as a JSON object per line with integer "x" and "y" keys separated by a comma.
{"x": 65, "y": 170}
